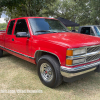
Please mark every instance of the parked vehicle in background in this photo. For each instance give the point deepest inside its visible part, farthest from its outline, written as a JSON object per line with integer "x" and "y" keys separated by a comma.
{"x": 90, "y": 30}
{"x": 60, "y": 55}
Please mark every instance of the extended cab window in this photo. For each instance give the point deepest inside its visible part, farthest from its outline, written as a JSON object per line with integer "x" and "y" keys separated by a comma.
{"x": 11, "y": 27}
{"x": 21, "y": 26}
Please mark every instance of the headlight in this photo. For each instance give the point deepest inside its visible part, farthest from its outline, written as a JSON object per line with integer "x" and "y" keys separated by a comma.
{"x": 75, "y": 52}
{"x": 75, "y": 61}
{"x": 79, "y": 51}
{"x": 72, "y": 59}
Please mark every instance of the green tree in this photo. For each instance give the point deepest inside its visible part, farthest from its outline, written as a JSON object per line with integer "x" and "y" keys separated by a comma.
{"x": 3, "y": 26}
{"x": 20, "y": 8}
{"x": 63, "y": 8}
{"x": 80, "y": 11}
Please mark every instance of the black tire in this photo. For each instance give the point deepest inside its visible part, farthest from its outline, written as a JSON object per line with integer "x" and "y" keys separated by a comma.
{"x": 97, "y": 69}
{"x": 52, "y": 62}
{"x": 1, "y": 53}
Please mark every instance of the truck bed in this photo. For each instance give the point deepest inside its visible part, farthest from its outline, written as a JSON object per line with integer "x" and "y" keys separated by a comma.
{"x": 2, "y": 31}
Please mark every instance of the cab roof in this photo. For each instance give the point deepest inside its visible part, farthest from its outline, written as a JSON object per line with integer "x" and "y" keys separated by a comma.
{"x": 33, "y": 17}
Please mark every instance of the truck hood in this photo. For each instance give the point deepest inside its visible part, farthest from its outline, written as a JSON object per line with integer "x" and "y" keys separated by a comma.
{"x": 70, "y": 39}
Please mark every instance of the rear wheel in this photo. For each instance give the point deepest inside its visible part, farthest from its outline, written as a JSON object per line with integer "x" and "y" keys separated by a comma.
{"x": 1, "y": 53}
{"x": 49, "y": 71}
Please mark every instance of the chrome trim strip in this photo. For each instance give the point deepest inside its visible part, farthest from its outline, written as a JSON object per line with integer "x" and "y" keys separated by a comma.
{"x": 17, "y": 52}
{"x": 47, "y": 52}
{"x": 70, "y": 75}
{"x": 71, "y": 72}
{"x": 80, "y": 56}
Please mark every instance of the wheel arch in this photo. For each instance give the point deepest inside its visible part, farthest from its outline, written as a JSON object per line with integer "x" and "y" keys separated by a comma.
{"x": 40, "y": 53}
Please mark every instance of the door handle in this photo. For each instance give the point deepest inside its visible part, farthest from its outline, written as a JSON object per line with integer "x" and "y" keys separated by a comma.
{"x": 12, "y": 39}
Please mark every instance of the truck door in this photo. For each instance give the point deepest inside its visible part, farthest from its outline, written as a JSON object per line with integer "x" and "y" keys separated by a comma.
{"x": 21, "y": 44}
{"x": 8, "y": 36}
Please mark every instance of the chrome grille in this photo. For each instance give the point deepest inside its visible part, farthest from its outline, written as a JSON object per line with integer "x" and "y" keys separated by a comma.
{"x": 92, "y": 54}
{"x": 92, "y": 58}
{"x": 93, "y": 49}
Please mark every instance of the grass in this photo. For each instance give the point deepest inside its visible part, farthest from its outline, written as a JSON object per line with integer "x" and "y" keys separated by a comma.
{"x": 16, "y": 73}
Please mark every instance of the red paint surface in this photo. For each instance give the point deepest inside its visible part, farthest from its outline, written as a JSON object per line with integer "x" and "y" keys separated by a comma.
{"x": 55, "y": 43}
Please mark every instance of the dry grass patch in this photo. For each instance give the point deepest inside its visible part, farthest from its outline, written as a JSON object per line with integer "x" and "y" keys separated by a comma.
{"x": 16, "y": 73}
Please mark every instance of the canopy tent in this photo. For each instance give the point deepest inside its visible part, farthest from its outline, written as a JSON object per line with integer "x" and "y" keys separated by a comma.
{"x": 67, "y": 23}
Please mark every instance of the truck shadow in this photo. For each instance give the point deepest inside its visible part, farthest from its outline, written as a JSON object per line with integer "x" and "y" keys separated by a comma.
{"x": 21, "y": 63}
{"x": 5, "y": 54}
{"x": 85, "y": 87}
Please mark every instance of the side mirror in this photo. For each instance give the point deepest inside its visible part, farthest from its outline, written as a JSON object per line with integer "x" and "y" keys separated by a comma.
{"x": 22, "y": 34}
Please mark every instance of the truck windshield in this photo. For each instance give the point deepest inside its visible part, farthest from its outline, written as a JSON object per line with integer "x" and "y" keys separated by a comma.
{"x": 45, "y": 26}
{"x": 97, "y": 29}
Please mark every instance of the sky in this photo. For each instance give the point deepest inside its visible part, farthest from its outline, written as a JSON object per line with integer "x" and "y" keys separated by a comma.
{"x": 2, "y": 18}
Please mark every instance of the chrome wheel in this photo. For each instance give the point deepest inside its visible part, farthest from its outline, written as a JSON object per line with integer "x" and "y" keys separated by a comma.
{"x": 46, "y": 72}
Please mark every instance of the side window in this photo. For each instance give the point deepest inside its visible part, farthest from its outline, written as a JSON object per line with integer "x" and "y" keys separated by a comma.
{"x": 21, "y": 26}
{"x": 85, "y": 30}
{"x": 10, "y": 27}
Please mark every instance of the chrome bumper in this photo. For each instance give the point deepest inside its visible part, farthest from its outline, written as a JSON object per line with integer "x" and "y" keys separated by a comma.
{"x": 71, "y": 72}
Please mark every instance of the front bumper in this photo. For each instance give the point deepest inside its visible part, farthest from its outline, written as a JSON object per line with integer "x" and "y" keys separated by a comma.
{"x": 72, "y": 72}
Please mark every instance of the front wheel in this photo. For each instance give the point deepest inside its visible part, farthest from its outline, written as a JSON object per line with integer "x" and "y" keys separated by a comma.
{"x": 49, "y": 71}
{"x": 1, "y": 53}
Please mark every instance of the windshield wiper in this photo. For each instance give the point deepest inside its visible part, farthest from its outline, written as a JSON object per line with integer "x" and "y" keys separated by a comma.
{"x": 65, "y": 30}
{"x": 50, "y": 31}
{"x": 43, "y": 31}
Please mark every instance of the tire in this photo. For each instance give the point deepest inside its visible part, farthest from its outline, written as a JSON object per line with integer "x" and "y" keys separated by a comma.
{"x": 1, "y": 53}
{"x": 97, "y": 69}
{"x": 49, "y": 71}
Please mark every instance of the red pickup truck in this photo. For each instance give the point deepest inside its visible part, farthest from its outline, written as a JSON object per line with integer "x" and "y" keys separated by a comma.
{"x": 59, "y": 54}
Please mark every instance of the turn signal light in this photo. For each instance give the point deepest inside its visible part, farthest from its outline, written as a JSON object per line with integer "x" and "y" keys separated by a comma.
{"x": 69, "y": 53}
{"x": 69, "y": 62}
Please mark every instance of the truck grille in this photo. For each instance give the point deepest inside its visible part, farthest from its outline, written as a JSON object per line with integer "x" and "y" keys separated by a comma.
{"x": 93, "y": 49}
{"x": 93, "y": 57}
{"x": 92, "y": 54}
